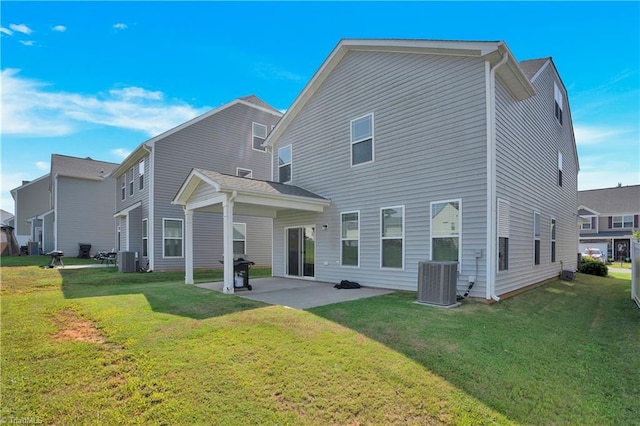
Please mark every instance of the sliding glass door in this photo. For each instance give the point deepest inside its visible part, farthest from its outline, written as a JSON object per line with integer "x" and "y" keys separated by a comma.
{"x": 301, "y": 249}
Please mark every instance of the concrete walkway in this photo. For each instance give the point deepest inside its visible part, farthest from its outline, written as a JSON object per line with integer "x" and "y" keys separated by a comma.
{"x": 298, "y": 294}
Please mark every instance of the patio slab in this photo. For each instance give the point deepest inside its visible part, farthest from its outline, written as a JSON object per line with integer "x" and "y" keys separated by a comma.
{"x": 298, "y": 294}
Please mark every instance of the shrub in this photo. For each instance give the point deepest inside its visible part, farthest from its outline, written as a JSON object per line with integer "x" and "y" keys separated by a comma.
{"x": 593, "y": 267}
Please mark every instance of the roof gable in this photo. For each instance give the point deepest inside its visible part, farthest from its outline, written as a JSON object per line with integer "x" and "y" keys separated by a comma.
{"x": 81, "y": 168}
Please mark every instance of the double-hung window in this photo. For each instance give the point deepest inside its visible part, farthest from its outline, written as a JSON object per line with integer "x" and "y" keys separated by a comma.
{"x": 625, "y": 221}
{"x": 558, "y": 102}
{"x": 559, "y": 168}
{"x": 503, "y": 234}
{"x": 362, "y": 140}
{"x": 258, "y": 135}
{"x": 239, "y": 238}
{"x": 131, "y": 182}
{"x": 392, "y": 237}
{"x": 145, "y": 237}
{"x": 445, "y": 230}
{"x": 536, "y": 238}
{"x": 172, "y": 233}
{"x": 553, "y": 240}
{"x": 350, "y": 238}
{"x": 141, "y": 175}
{"x": 284, "y": 164}
{"x": 123, "y": 187}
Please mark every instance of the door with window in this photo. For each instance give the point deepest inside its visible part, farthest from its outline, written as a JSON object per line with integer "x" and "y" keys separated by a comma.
{"x": 301, "y": 249}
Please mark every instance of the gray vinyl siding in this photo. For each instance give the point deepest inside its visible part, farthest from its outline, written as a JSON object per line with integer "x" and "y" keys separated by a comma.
{"x": 220, "y": 142}
{"x": 430, "y": 145}
{"x": 48, "y": 243}
{"x": 84, "y": 214}
{"x": 528, "y": 140}
{"x": 32, "y": 199}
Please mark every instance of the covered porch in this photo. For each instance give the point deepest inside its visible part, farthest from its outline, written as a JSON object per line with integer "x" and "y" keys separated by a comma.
{"x": 205, "y": 190}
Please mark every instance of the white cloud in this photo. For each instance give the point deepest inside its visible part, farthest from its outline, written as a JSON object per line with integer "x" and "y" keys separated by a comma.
{"x": 59, "y": 28}
{"x": 121, "y": 153}
{"x": 28, "y": 42}
{"x": 21, "y": 28}
{"x": 592, "y": 135}
{"x": 33, "y": 108}
{"x": 6, "y": 31}
{"x": 273, "y": 72}
{"x": 43, "y": 165}
{"x": 120, "y": 26}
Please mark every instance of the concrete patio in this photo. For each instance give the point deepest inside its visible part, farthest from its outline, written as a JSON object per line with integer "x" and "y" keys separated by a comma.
{"x": 298, "y": 294}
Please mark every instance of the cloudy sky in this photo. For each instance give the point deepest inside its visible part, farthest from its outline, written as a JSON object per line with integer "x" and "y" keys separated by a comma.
{"x": 97, "y": 79}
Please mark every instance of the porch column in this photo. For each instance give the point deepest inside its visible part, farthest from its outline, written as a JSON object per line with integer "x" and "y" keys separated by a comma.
{"x": 188, "y": 258}
{"x": 227, "y": 212}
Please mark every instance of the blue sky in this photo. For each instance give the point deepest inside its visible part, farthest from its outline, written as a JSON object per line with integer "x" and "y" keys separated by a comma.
{"x": 98, "y": 78}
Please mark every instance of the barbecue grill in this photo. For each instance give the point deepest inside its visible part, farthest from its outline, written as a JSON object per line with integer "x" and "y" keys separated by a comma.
{"x": 241, "y": 267}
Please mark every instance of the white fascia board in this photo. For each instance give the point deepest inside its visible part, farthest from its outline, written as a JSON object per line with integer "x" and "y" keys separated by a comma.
{"x": 190, "y": 184}
{"x": 31, "y": 182}
{"x": 125, "y": 212}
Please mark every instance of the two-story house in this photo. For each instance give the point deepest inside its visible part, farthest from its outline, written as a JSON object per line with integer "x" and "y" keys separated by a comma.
{"x": 71, "y": 205}
{"x": 401, "y": 151}
{"x": 610, "y": 216}
{"x": 228, "y": 138}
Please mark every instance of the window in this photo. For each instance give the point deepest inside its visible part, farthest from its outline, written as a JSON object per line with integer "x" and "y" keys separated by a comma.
{"x": 350, "y": 239}
{"x": 392, "y": 237}
{"x": 145, "y": 237}
{"x": 536, "y": 238}
{"x": 558, "y": 104}
{"x": 559, "y": 168}
{"x": 362, "y": 140}
{"x": 123, "y": 189}
{"x": 445, "y": 230}
{"x": 553, "y": 240}
{"x": 131, "y": 183}
{"x": 587, "y": 223}
{"x": 258, "y": 134}
{"x": 239, "y": 238}
{"x": 244, "y": 173}
{"x": 284, "y": 164}
{"x": 503, "y": 235}
{"x": 141, "y": 175}
{"x": 172, "y": 237}
{"x": 625, "y": 221}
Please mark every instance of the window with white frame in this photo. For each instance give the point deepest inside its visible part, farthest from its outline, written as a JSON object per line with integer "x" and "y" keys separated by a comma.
{"x": 131, "y": 182}
{"x": 553, "y": 240}
{"x": 350, "y": 238}
{"x": 392, "y": 237}
{"x": 558, "y": 102}
{"x": 145, "y": 237}
{"x": 624, "y": 221}
{"x": 445, "y": 230}
{"x": 141, "y": 175}
{"x": 536, "y": 238}
{"x": 172, "y": 237}
{"x": 503, "y": 234}
{"x": 244, "y": 173}
{"x": 239, "y": 238}
{"x": 559, "y": 168}
{"x": 362, "y": 140}
{"x": 258, "y": 136}
{"x": 123, "y": 187}
{"x": 284, "y": 164}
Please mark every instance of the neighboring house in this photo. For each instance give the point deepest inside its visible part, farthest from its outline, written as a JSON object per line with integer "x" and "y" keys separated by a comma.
{"x": 610, "y": 216}
{"x": 6, "y": 218}
{"x": 414, "y": 150}
{"x": 71, "y": 205}
{"x": 229, "y": 139}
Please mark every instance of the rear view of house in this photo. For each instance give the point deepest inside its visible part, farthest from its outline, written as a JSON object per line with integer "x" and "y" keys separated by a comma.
{"x": 227, "y": 139}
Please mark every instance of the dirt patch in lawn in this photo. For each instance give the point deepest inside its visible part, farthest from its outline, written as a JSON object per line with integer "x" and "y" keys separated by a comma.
{"x": 73, "y": 327}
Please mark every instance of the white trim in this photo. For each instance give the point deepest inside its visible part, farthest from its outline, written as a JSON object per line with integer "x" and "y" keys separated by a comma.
{"x": 342, "y": 239}
{"x": 144, "y": 221}
{"x": 622, "y": 216}
{"x": 290, "y": 163}
{"x": 123, "y": 188}
{"x": 254, "y": 135}
{"x": 503, "y": 231}
{"x": 361, "y": 140}
{"x": 392, "y": 238}
{"x": 164, "y": 220}
{"x": 538, "y": 238}
{"x": 286, "y": 254}
{"x": 553, "y": 226}
{"x": 126, "y": 211}
{"x": 248, "y": 175}
{"x": 141, "y": 165}
{"x": 132, "y": 183}
{"x": 152, "y": 231}
{"x": 244, "y": 233}
{"x": 459, "y": 225}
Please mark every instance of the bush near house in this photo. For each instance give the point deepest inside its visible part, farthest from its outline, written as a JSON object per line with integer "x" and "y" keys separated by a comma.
{"x": 593, "y": 267}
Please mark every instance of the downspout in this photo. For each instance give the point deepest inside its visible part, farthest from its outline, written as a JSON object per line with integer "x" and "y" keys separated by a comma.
{"x": 150, "y": 222}
{"x": 490, "y": 85}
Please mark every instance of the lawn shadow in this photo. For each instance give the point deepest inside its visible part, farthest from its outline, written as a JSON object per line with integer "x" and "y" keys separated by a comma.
{"x": 164, "y": 291}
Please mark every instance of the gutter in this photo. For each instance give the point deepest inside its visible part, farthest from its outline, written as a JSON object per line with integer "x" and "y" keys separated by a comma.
{"x": 490, "y": 84}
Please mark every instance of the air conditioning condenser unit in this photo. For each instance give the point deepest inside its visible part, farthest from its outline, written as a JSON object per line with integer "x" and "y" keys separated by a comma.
{"x": 437, "y": 283}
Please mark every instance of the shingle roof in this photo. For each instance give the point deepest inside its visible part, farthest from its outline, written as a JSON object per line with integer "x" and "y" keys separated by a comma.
{"x": 531, "y": 66}
{"x": 612, "y": 201}
{"x": 253, "y": 99}
{"x": 258, "y": 186}
{"x": 83, "y": 168}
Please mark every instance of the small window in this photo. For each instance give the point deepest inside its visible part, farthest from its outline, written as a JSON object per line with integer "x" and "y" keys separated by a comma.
{"x": 536, "y": 238}
{"x": 362, "y": 140}
{"x": 553, "y": 240}
{"x": 586, "y": 224}
{"x": 172, "y": 237}
{"x": 559, "y": 168}
{"x": 350, "y": 239}
{"x": 284, "y": 164}
{"x": 123, "y": 187}
{"x": 145, "y": 237}
{"x": 239, "y": 238}
{"x": 625, "y": 221}
{"x": 558, "y": 102}
{"x": 141, "y": 175}
{"x": 258, "y": 134}
{"x": 392, "y": 237}
{"x": 503, "y": 234}
{"x": 445, "y": 230}
{"x": 244, "y": 173}
{"x": 131, "y": 183}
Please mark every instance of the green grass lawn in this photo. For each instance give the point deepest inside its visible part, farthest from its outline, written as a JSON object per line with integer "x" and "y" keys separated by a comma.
{"x": 93, "y": 346}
